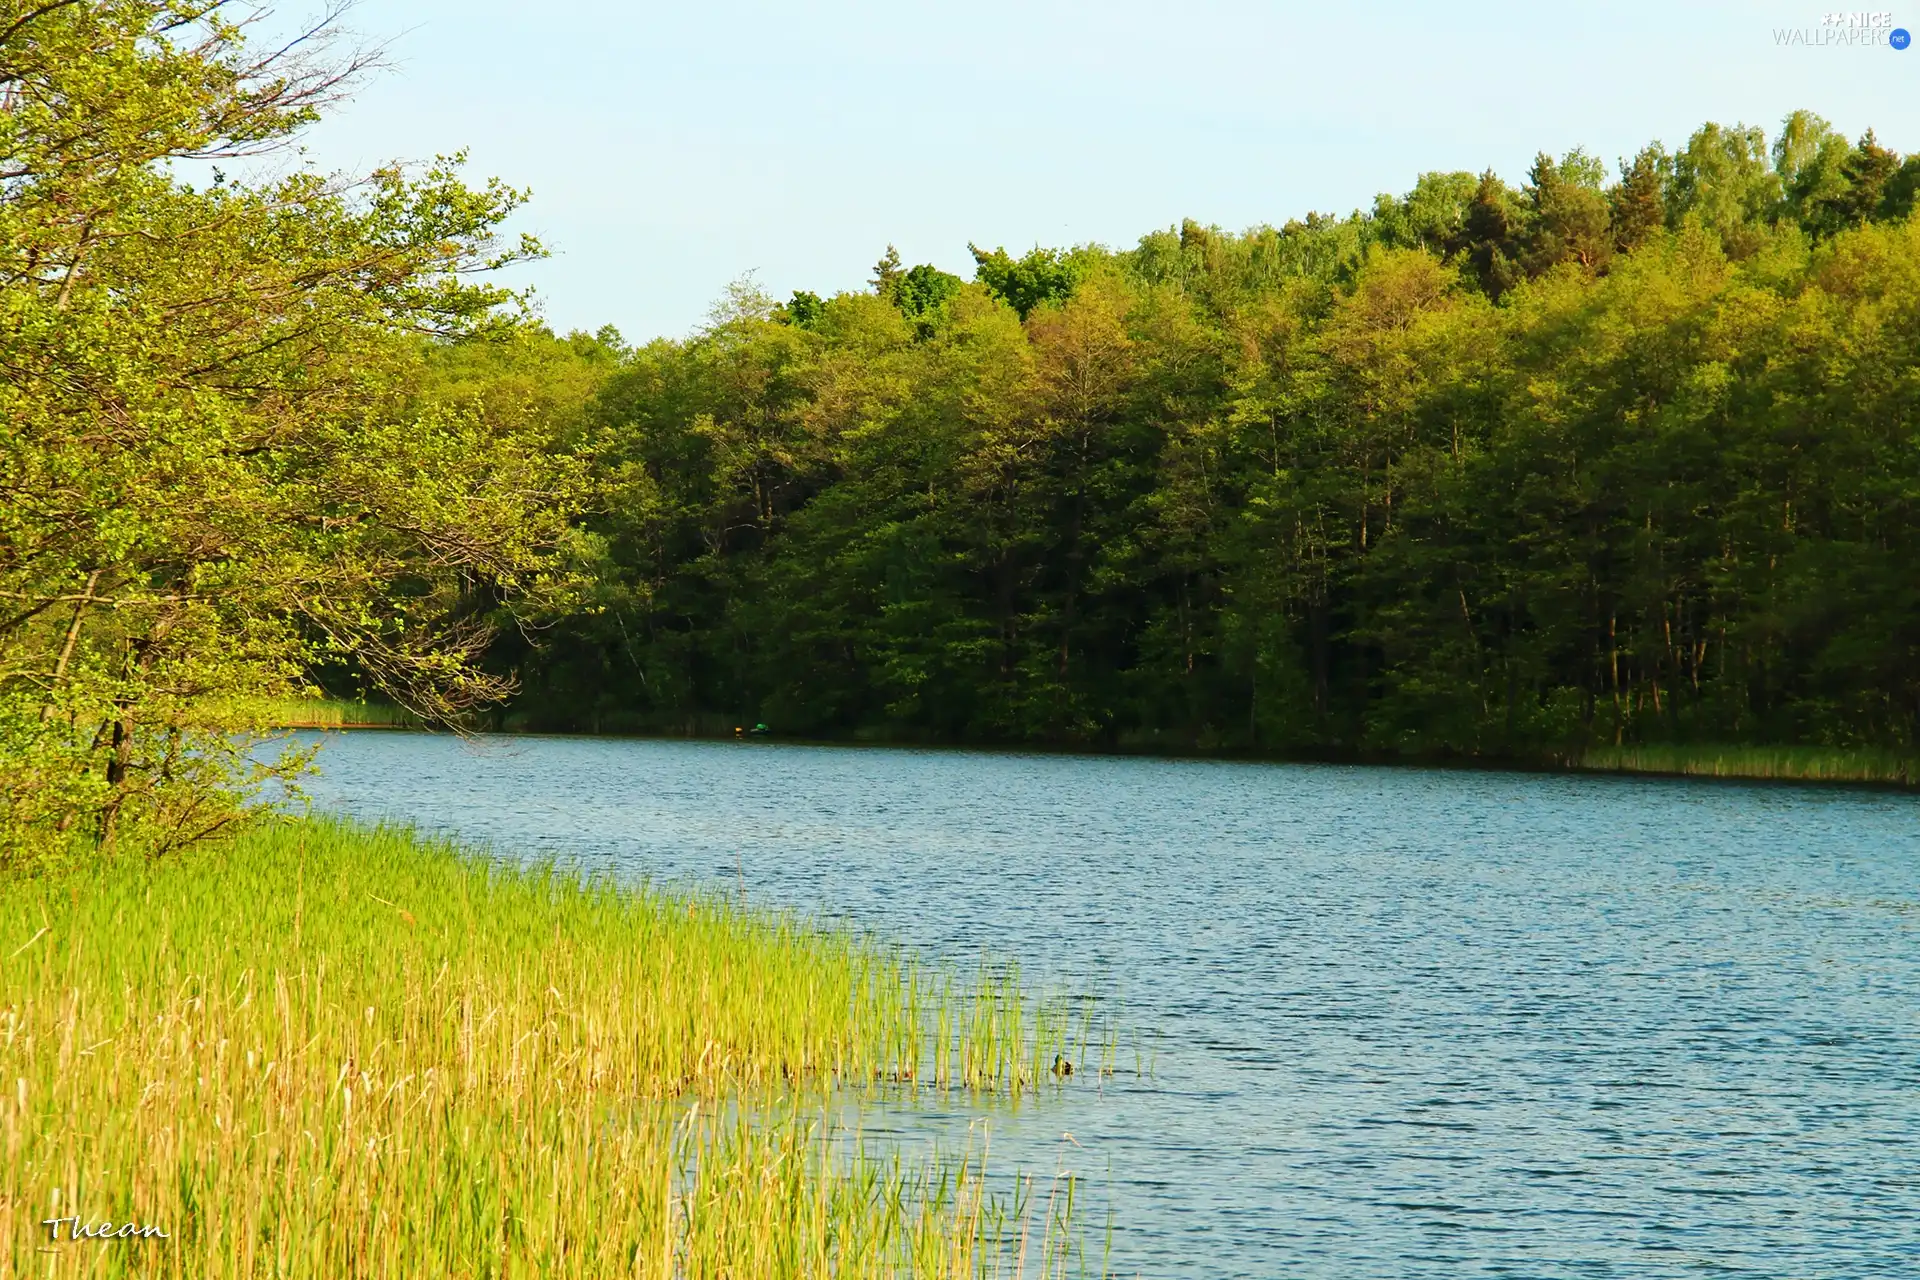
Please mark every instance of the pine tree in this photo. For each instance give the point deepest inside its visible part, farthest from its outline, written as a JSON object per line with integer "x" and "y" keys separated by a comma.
{"x": 1637, "y": 206}
{"x": 1866, "y": 171}
{"x": 1569, "y": 216}
{"x": 1903, "y": 192}
{"x": 887, "y": 273}
{"x": 1488, "y": 239}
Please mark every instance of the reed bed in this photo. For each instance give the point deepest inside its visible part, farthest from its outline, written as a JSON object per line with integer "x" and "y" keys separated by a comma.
{"x": 329, "y": 1051}
{"x": 1806, "y": 764}
{"x": 324, "y": 713}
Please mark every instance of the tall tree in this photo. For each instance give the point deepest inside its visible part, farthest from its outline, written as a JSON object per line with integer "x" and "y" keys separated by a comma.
{"x": 1723, "y": 179}
{"x": 887, "y": 273}
{"x": 1637, "y": 207}
{"x": 1568, "y": 219}
{"x": 1809, "y": 155}
{"x": 1490, "y": 236}
{"x": 214, "y": 476}
{"x": 1903, "y": 191}
{"x": 1042, "y": 276}
{"x": 1865, "y": 173}
{"x": 1431, "y": 216}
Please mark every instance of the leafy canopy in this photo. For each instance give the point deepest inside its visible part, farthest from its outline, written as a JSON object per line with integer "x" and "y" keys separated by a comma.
{"x": 215, "y": 478}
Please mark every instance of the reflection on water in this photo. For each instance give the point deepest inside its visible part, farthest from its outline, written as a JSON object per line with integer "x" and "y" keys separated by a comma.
{"x": 1408, "y": 1023}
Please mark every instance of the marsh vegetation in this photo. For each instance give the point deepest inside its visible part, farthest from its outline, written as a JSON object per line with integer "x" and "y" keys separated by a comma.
{"x": 343, "y": 1051}
{"x": 1795, "y": 764}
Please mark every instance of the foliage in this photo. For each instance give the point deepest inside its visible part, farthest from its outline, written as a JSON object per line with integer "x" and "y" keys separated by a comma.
{"x": 1487, "y": 470}
{"x": 1042, "y": 276}
{"x": 219, "y": 472}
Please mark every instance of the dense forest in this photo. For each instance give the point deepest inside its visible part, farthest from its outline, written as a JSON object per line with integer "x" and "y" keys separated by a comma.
{"x": 1487, "y": 470}
{"x": 1483, "y": 470}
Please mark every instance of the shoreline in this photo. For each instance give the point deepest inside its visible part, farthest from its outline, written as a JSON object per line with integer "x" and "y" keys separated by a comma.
{"x": 339, "y": 1021}
{"x": 1874, "y": 768}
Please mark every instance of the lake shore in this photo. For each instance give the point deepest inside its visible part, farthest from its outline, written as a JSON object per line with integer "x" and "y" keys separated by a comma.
{"x": 326, "y": 1049}
{"x": 1532, "y": 994}
{"x": 1861, "y": 766}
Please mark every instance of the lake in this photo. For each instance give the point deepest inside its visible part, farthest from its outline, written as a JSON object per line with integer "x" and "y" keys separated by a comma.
{"x": 1405, "y": 1023}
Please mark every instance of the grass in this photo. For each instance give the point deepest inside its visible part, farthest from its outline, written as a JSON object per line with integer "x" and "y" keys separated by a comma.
{"x": 1807, "y": 764}
{"x": 323, "y": 1050}
{"x": 329, "y": 713}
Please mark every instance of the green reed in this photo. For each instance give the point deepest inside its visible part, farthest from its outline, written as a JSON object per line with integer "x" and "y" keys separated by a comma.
{"x": 324, "y": 713}
{"x": 1810, "y": 764}
{"x": 324, "y": 1050}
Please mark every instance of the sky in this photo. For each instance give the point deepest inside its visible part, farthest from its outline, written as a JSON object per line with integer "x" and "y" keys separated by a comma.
{"x": 672, "y": 148}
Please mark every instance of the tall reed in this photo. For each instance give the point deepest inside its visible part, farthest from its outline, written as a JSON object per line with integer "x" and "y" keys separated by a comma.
{"x": 324, "y": 713}
{"x": 327, "y": 1051}
{"x": 1808, "y": 764}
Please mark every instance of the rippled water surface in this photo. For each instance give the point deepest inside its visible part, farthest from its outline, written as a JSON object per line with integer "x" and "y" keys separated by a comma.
{"x": 1407, "y": 1023}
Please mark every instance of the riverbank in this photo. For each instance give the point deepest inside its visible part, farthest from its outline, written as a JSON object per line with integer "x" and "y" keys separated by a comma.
{"x": 319, "y": 1049}
{"x": 1857, "y": 765}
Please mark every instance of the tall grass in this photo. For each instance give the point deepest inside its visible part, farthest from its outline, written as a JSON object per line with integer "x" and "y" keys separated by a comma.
{"x": 329, "y": 1051}
{"x": 1811, "y": 764}
{"x": 326, "y": 713}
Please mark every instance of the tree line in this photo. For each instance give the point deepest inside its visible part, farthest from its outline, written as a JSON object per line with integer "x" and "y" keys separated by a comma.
{"x": 1485, "y": 470}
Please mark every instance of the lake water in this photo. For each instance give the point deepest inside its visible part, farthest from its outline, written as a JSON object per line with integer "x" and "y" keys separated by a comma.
{"x": 1408, "y": 1023}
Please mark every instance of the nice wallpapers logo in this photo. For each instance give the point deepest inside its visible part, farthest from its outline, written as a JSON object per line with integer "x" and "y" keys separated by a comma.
{"x": 1866, "y": 30}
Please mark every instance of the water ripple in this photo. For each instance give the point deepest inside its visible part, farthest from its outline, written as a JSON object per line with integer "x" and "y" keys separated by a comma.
{"x": 1405, "y": 1024}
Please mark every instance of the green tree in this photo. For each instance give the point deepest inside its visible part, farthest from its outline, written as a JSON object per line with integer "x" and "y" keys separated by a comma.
{"x": 1903, "y": 191}
{"x": 1568, "y": 219}
{"x": 1724, "y": 180}
{"x": 887, "y": 273}
{"x": 1637, "y": 204}
{"x": 1042, "y": 276}
{"x": 214, "y": 476}
{"x": 1432, "y": 216}
{"x": 1490, "y": 237}
{"x": 922, "y": 294}
{"x": 924, "y": 289}
{"x": 1809, "y": 155}
{"x": 1864, "y": 176}
{"x": 804, "y": 308}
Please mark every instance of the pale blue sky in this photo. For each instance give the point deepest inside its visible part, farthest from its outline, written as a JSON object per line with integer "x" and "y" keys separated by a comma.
{"x": 673, "y": 147}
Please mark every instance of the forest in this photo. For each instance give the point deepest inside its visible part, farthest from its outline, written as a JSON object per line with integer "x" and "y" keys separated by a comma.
{"x": 1483, "y": 471}
{"x": 1613, "y": 458}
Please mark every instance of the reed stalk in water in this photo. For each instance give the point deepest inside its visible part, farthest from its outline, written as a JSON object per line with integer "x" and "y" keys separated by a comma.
{"x": 1809, "y": 764}
{"x": 324, "y": 713}
{"x": 322, "y": 1050}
